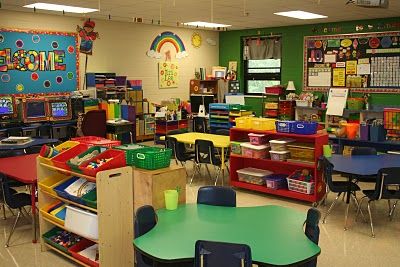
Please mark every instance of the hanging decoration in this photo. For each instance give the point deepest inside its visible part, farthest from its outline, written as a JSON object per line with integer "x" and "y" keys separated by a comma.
{"x": 88, "y": 35}
{"x": 196, "y": 40}
{"x": 168, "y": 75}
{"x": 164, "y": 38}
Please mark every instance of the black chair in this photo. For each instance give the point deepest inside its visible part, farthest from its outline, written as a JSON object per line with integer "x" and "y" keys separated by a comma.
{"x": 3, "y": 203}
{"x": 205, "y": 153}
{"x": 200, "y": 125}
{"x": 357, "y": 151}
{"x": 15, "y": 201}
{"x": 387, "y": 187}
{"x": 145, "y": 220}
{"x": 219, "y": 254}
{"x": 312, "y": 231}
{"x": 338, "y": 187}
{"x": 216, "y": 196}
{"x": 179, "y": 151}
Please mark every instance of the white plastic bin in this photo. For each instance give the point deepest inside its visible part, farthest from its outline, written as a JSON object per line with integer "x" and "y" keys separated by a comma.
{"x": 253, "y": 175}
{"x": 82, "y": 222}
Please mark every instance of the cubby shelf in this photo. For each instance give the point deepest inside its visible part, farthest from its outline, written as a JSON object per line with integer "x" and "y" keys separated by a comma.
{"x": 69, "y": 201}
{"x": 284, "y": 167}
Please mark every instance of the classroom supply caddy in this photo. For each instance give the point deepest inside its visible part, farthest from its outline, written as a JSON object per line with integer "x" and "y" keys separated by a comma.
{"x": 114, "y": 240}
{"x": 60, "y": 148}
{"x": 87, "y": 155}
{"x": 152, "y": 158}
{"x": 61, "y": 159}
{"x": 284, "y": 140}
{"x": 297, "y": 184}
{"x": 109, "y": 159}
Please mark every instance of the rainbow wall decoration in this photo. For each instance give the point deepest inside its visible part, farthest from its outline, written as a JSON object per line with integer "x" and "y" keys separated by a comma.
{"x": 167, "y": 37}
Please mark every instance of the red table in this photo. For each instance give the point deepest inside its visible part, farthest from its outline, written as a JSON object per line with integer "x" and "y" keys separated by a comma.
{"x": 23, "y": 169}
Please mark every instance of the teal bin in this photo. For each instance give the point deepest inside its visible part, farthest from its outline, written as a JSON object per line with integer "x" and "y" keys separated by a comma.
{"x": 90, "y": 199}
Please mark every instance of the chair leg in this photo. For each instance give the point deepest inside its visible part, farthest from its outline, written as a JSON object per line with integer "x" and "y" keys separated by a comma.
{"x": 358, "y": 206}
{"x": 217, "y": 176}
{"x": 208, "y": 171}
{"x": 370, "y": 220}
{"x": 392, "y": 210}
{"x": 28, "y": 217}
{"x": 13, "y": 228}
{"x": 359, "y": 209}
{"x": 331, "y": 207}
{"x": 184, "y": 166}
{"x": 4, "y": 211}
{"x": 196, "y": 167}
{"x": 346, "y": 215}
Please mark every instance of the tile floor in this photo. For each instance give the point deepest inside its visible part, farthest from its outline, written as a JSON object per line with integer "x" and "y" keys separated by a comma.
{"x": 354, "y": 247}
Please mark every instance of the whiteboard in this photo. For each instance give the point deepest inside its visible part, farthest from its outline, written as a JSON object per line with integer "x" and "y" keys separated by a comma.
{"x": 336, "y": 101}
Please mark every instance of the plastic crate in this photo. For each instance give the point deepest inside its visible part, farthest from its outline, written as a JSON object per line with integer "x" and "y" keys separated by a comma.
{"x": 60, "y": 148}
{"x": 82, "y": 222}
{"x": 302, "y": 151}
{"x": 284, "y": 126}
{"x": 276, "y": 181}
{"x": 152, "y": 158}
{"x": 263, "y": 124}
{"x": 78, "y": 247}
{"x": 258, "y": 139}
{"x": 275, "y": 90}
{"x": 129, "y": 152}
{"x": 391, "y": 117}
{"x": 61, "y": 159}
{"x": 279, "y": 155}
{"x": 306, "y": 128}
{"x": 117, "y": 161}
{"x": 48, "y": 184}
{"x": 243, "y": 122}
{"x": 45, "y": 213}
{"x": 75, "y": 167}
{"x": 60, "y": 190}
{"x": 90, "y": 199}
{"x": 300, "y": 186}
{"x": 97, "y": 141}
{"x": 253, "y": 175}
{"x": 47, "y": 237}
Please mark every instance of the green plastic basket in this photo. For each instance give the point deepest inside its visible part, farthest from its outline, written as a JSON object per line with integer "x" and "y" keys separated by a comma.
{"x": 75, "y": 167}
{"x": 129, "y": 150}
{"x": 152, "y": 158}
{"x": 53, "y": 232}
{"x": 90, "y": 199}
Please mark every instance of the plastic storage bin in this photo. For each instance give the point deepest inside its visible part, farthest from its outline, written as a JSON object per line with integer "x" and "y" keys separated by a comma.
{"x": 280, "y": 144}
{"x": 152, "y": 158}
{"x": 75, "y": 167}
{"x": 60, "y": 148}
{"x": 253, "y": 175}
{"x": 276, "y": 181}
{"x": 274, "y": 90}
{"x": 45, "y": 212}
{"x": 279, "y": 155}
{"x": 236, "y": 148}
{"x": 263, "y": 124}
{"x": 90, "y": 199}
{"x": 48, "y": 238}
{"x": 303, "y": 127}
{"x": 78, "y": 247}
{"x": 48, "y": 184}
{"x": 96, "y": 141}
{"x": 253, "y": 151}
{"x": 284, "y": 126}
{"x": 300, "y": 186}
{"x": 258, "y": 139}
{"x": 302, "y": 151}
{"x": 129, "y": 152}
{"x": 60, "y": 190}
{"x": 117, "y": 161}
{"x": 82, "y": 222}
{"x": 243, "y": 122}
{"x": 61, "y": 159}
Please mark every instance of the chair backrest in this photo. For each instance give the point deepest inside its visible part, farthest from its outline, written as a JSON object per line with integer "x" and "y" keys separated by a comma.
{"x": 178, "y": 149}
{"x": 94, "y": 123}
{"x": 145, "y": 220}
{"x": 8, "y": 193}
{"x": 218, "y": 254}
{"x": 312, "y": 231}
{"x": 387, "y": 184}
{"x": 327, "y": 168}
{"x": 205, "y": 152}
{"x": 216, "y": 196}
{"x": 199, "y": 124}
{"x": 363, "y": 151}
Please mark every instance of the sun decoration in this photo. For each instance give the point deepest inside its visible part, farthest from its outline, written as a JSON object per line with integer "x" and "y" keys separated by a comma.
{"x": 196, "y": 39}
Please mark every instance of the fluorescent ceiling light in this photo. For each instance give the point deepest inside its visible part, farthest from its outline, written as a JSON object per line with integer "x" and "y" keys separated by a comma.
{"x": 55, "y": 7}
{"x": 298, "y": 14}
{"x": 205, "y": 24}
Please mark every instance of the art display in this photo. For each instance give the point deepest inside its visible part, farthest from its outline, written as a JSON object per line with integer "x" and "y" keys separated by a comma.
{"x": 168, "y": 75}
{"x": 165, "y": 38}
{"x": 38, "y": 61}
{"x": 88, "y": 35}
{"x": 368, "y": 62}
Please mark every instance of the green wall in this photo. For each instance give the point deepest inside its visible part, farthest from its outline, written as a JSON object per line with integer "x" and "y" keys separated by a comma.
{"x": 292, "y": 52}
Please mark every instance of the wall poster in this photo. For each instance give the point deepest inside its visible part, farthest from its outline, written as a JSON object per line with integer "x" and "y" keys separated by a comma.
{"x": 362, "y": 62}
{"x": 38, "y": 61}
{"x": 168, "y": 73}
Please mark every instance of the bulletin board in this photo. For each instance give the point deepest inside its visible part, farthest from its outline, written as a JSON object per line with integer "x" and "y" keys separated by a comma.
{"x": 38, "y": 61}
{"x": 362, "y": 62}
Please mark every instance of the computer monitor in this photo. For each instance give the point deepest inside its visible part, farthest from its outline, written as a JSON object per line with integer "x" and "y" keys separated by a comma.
{"x": 34, "y": 109}
{"x": 197, "y": 100}
{"x": 60, "y": 109}
{"x": 218, "y": 72}
{"x": 7, "y": 107}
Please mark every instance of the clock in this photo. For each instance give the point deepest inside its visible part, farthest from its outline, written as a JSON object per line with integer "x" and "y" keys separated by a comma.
{"x": 196, "y": 40}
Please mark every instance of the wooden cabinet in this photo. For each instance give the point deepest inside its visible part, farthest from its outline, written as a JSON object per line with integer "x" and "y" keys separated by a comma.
{"x": 204, "y": 87}
{"x": 283, "y": 167}
{"x": 149, "y": 185}
{"x": 114, "y": 210}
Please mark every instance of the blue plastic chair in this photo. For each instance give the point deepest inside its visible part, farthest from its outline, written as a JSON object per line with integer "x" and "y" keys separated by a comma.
{"x": 220, "y": 254}
{"x": 216, "y": 196}
{"x": 312, "y": 231}
{"x": 145, "y": 220}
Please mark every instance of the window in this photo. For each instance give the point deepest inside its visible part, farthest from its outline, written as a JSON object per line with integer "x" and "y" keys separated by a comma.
{"x": 262, "y": 67}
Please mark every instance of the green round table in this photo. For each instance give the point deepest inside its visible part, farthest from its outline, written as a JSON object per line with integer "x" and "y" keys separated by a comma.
{"x": 274, "y": 233}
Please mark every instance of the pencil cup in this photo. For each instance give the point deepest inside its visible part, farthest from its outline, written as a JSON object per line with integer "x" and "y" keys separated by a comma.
{"x": 327, "y": 150}
{"x": 171, "y": 199}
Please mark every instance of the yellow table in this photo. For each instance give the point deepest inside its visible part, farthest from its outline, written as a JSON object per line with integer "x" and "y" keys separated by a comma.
{"x": 220, "y": 141}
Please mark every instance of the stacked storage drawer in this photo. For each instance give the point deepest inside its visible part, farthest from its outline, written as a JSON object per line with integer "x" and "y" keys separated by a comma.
{"x": 219, "y": 116}
{"x": 286, "y": 110}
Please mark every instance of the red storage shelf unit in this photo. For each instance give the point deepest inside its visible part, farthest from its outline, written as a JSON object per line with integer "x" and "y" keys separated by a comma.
{"x": 282, "y": 167}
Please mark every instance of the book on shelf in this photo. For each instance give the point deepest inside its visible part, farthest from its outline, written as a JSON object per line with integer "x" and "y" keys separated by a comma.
{"x": 16, "y": 140}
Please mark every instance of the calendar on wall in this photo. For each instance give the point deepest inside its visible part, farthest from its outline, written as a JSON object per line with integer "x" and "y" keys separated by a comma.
{"x": 362, "y": 62}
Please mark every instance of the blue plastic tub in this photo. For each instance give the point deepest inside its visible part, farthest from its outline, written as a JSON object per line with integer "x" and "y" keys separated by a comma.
{"x": 276, "y": 181}
{"x": 60, "y": 190}
{"x": 284, "y": 126}
{"x": 304, "y": 127}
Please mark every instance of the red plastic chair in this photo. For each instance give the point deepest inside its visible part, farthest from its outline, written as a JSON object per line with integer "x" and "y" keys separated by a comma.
{"x": 94, "y": 123}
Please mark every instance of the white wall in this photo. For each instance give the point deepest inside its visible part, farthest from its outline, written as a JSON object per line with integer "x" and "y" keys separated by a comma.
{"x": 122, "y": 49}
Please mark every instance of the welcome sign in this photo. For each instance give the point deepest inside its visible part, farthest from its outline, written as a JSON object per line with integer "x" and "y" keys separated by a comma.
{"x": 38, "y": 62}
